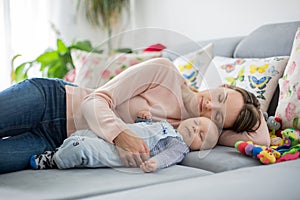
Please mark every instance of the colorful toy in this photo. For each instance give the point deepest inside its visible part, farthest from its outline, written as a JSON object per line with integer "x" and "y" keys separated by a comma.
{"x": 276, "y": 141}
{"x": 291, "y": 136}
{"x": 264, "y": 154}
{"x": 274, "y": 125}
{"x": 268, "y": 156}
{"x": 290, "y": 154}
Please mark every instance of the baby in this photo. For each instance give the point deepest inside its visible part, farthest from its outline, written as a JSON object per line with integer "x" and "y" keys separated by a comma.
{"x": 167, "y": 145}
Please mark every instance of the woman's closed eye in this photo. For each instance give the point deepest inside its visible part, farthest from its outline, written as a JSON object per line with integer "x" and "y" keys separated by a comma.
{"x": 219, "y": 116}
{"x": 222, "y": 98}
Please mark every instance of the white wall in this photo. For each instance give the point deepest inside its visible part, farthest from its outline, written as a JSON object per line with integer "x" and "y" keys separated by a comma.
{"x": 172, "y": 21}
{"x": 210, "y": 19}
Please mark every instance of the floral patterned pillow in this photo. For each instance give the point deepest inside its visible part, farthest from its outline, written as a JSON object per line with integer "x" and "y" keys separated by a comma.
{"x": 257, "y": 75}
{"x": 193, "y": 66}
{"x": 94, "y": 70}
{"x": 288, "y": 108}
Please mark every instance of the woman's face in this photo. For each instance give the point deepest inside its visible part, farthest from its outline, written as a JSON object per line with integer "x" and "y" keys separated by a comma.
{"x": 222, "y": 105}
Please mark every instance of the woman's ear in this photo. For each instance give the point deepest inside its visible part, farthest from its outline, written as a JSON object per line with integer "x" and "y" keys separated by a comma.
{"x": 224, "y": 85}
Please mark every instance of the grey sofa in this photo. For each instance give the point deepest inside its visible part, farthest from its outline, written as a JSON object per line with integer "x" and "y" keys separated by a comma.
{"x": 220, "y": 173}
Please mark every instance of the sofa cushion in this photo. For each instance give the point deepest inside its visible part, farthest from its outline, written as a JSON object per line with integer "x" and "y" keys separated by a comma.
{"x": 193, "y": 66}
{"x": 289, "y": 100}
{"x": 94, "y": 69}
{"x": 268, "y": 41}
{"x": 257, "y": 75}
{"x": 81, "y": 183}
{"x": 277, "y": 181}
{"x": 219, "y": 159}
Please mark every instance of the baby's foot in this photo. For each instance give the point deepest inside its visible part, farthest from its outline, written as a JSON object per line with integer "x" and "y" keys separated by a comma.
{"x": 43, "y": 161}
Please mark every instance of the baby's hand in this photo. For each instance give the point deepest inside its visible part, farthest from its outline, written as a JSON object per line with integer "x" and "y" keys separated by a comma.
{"x": 149, "y": 165}
{"x": 144, "y": 114}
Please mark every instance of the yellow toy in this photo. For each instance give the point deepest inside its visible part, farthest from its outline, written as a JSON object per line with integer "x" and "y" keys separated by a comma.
{"x": 291, "y": 136}
{"x": 268, "y": 156}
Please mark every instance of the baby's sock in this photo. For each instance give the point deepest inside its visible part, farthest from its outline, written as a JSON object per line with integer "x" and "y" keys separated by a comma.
{"x": 43, "y": 161}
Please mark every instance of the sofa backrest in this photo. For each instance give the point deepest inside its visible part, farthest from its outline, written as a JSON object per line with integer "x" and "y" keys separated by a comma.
{"x": 268, "y": 41}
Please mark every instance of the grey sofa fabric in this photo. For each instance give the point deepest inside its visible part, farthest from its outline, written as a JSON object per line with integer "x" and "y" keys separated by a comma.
{"x": 181, "y": 49}
{"x": 267, "y": 41}
{"x": 225, "y": 46}
{"x": 219, "y": 159}
{"x": 82, "y": 183}
{"x": 222, "y": 47}
{"x": 267, "y": 182}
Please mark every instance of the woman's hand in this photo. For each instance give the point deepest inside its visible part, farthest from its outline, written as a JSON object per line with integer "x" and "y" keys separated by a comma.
{"x": 132, "y": 149}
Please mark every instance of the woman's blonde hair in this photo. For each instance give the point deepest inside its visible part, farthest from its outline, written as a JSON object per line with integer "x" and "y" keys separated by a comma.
{"x": 249, "y": 118}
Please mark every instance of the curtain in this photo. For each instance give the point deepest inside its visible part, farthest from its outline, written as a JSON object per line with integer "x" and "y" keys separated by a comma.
{"x": 25, "y": 29}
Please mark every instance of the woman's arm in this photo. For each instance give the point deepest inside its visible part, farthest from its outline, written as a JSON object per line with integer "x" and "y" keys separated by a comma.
{"x": 260, "y": 136}
{"x": 99, "y": 107}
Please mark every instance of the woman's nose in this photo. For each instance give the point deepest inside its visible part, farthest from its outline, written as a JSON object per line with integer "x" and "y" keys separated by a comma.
{"x": 212, "y": 105}
{"x": 208, "y": 105}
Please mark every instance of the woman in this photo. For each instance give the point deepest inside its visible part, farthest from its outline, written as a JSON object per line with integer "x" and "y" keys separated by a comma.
{"x": 41, "y": 113}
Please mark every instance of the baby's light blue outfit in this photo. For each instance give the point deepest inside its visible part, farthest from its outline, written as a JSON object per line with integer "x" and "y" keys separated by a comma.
{"x": 85, "y": 149}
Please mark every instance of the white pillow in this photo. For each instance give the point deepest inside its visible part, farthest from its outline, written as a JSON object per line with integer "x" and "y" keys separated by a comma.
{"x": 94, "y": 70}
{"x": 288, "y": 108}
{"x": 257, "y": 75}
{"x": 192, "y": 66}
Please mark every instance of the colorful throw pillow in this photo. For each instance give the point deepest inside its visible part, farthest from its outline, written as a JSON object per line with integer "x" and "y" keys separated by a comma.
{"x": 94, "y": 70}
{"x": 193, "y": 65}
{"x": 259, "y": 76}
{"x": 288, "y": 108}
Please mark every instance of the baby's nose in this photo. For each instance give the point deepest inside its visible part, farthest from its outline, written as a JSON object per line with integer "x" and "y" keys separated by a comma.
{"x": 196, "y": 129}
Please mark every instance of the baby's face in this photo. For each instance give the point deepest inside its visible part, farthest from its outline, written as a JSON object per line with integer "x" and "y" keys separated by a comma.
{"x": 199, "y": 133}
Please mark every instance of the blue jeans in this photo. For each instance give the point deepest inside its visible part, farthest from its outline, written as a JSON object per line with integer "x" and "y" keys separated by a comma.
{"x": 32, "y": 120}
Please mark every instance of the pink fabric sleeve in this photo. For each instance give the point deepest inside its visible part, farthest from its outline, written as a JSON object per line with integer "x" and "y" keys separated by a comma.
{"x": 98, "y": 108}
{"x": 260, "y": 136}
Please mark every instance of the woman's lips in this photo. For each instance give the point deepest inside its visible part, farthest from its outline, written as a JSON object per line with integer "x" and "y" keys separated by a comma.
{"x": 201, "y": 104}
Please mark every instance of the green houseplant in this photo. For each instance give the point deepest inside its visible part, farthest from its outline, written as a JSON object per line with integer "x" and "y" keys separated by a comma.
{"x": 53, "y": 63}
{"x": 56, "y": 63}
{"x": 105, "y": 14}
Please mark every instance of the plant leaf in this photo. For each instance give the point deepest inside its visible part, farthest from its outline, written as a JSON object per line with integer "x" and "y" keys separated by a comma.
{"x": 47, "y": 57}
{"x": 61, "y": 47}
{"x": 85, "y": 46}
{"x": 20, "y": 73}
